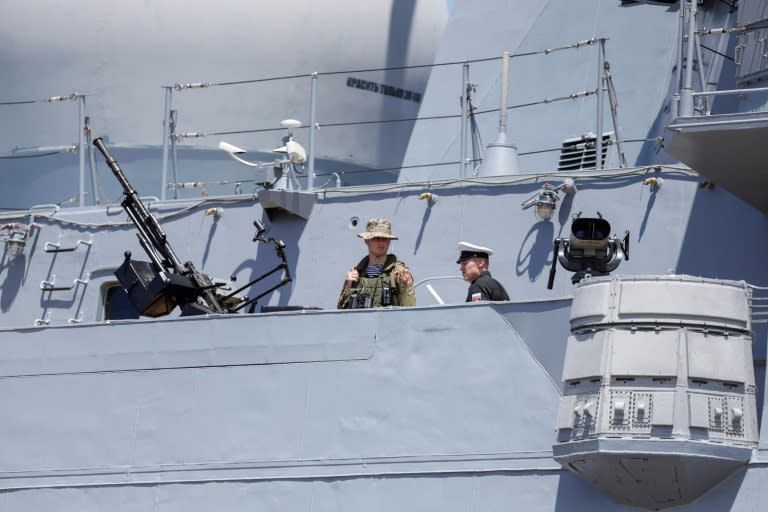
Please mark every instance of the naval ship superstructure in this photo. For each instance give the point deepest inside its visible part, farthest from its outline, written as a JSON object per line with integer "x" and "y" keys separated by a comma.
{"x": 184, "y": 351}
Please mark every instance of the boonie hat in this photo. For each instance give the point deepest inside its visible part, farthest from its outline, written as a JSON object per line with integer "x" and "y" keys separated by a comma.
{"x": 468, "y": 250}
{"x": 378, "y": 228}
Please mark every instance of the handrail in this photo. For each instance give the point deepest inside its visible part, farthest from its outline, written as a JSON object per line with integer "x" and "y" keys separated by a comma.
{"x": 730, "y": 91}
{"x": 171, "y": 134}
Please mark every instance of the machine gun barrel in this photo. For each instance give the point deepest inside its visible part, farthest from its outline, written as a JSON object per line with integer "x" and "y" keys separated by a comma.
{"x": 116, "y": 170}
{"x": 151, "y": 235}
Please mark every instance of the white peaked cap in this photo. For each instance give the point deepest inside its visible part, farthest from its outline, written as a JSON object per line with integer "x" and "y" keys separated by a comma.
{"x": 466, "y": 246}
{"x": 468, "y": 250}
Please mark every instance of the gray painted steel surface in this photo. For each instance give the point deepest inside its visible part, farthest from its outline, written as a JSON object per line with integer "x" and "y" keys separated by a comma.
{"x": 437, "y": 407}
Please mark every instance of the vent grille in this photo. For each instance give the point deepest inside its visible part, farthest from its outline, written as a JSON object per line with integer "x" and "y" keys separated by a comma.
{"x": 751, "y": 52}
{"x": 579, "y": 152}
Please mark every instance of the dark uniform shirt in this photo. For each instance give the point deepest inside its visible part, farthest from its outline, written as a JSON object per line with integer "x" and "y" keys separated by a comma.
{"x": 487, "y": 287}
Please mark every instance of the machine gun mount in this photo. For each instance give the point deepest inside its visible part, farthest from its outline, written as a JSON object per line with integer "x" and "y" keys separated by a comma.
{"x": 156, "y": 287}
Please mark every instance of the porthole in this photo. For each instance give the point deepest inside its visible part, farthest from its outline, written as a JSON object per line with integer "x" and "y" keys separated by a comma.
{"x": 117, "y": 306}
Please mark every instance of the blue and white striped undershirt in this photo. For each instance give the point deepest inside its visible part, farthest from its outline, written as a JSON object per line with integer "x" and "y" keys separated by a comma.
{"x": 374, "y": 270}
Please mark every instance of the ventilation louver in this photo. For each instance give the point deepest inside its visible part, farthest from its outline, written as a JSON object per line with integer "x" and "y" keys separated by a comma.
{"x": 751, "y": 51}
{"x": 579, "y": 152}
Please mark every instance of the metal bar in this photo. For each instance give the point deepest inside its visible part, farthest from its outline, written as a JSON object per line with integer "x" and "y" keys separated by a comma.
{"x": 504, "y": 93}
{"x": 679, "y": 64}
{"x": 254, "y": 300}
{"x": 613, "y": 102}
{"x": 464, "y": 119}
{"x": 700, "y": 60}
{"x": 151, "y": 235}
{"x": 283, "y": 281}
{"x": 686, "y": 95}
{"x": 81, "y": 148}
{"x": 600, "y": 80}
{"x": 166, "y": 131}
{"x": 91, "y": 162}
{"x": 312, "y": 122}
{"x": 172, "y": 136}
{"x": 705, "y": 124}
{"x": 730, "y": 91}
{"x": 50, "y": 286}
{"x": 55, "y": 247}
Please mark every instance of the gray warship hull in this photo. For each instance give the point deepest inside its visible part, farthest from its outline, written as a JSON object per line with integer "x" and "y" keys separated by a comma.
{"x": 443, "y": 406}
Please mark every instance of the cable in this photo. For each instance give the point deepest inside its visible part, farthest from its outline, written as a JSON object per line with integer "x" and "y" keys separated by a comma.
{"x": 546, "y": 51}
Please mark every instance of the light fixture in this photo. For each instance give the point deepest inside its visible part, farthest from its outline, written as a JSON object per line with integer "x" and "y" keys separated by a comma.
{"x": 546, "y": 199}
{"x": 430, "y": 197}
{"x": 590, "y": 250}
{"x": 654, "y": 182}
{"x": 16, "y": 239}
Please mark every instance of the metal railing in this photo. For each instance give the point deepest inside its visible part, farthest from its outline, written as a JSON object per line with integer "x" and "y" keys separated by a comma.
{"x": 465, "y": 116}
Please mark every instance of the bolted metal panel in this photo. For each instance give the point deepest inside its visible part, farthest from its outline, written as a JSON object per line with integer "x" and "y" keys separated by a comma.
{"x": 566, "y": 415}
{"x": 590, "y": 303}
{"x": 718, "y": 358}
{"x": 663, "y": 409}
{"x": 583, "y": 355}
{"x": 667, "y": 300}
{"x": 620, "y": 410}
{"x": 698, "y": 409}
{"x": 652, "y": 353}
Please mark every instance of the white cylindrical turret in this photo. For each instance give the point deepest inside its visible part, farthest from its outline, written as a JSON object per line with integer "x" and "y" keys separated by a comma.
{"x": 659, "y": 401}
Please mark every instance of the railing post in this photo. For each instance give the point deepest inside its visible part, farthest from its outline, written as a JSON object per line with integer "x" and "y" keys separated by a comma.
{"x": 91, "y": 161}
{"x": 504, "y": 92}
{"x": 166, "y": 129}
{"x": 679, "y": 66}
{"x": 600, "y": 80}
{"x": 686, "y": 95}
{"x": 172, "y": 136}
{"x": 312, "y": 122}
{"x": 81, "y": 147}
{"x": 464, "y": 119}
{"x": 704, "y": 102}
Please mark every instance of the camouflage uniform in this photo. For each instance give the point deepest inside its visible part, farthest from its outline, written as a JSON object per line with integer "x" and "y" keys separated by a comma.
{"x": 383, "y": 290}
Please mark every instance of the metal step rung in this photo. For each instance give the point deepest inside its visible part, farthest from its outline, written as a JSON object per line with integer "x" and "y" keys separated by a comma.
{"x": 50, "y": 286}
{"x": 55, "y": 247}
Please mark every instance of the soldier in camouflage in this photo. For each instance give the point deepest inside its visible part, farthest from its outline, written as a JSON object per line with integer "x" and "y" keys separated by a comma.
{"x": 380, "y": 279}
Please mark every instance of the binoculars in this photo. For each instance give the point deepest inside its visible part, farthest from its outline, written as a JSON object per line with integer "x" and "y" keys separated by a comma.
{"x": 365, "y": 300}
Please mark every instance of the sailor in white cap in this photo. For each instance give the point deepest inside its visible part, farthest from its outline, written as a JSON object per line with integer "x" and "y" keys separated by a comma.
{"x": 474, "y": 269}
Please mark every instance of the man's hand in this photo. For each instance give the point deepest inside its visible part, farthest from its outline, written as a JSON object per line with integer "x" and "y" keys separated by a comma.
{"x": 351, "y": 278}
{"x": 404, "y": 278}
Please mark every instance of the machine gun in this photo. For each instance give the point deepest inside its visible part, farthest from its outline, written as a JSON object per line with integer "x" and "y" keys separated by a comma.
{"x": 155, "y": 288}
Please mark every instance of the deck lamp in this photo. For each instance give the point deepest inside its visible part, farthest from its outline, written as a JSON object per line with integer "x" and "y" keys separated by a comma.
{"x": 16, "y": 239}
{"x": 546, "y": 199}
